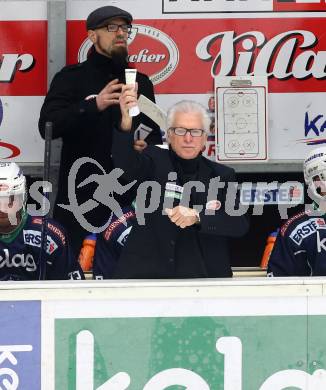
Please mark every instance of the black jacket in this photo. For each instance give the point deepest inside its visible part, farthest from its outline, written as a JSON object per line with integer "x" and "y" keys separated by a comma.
{"x": 85, "y": 131}
{"x": 160, "y": 249}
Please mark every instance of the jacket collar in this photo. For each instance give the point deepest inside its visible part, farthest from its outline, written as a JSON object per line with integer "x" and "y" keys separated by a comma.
{"x": 107, "y": 64}
{"x": 99, "y": 59}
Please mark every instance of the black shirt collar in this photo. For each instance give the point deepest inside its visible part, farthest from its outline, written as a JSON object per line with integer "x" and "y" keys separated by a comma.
{"x": 187, "y": 165}
{"x": 107, "y": 64}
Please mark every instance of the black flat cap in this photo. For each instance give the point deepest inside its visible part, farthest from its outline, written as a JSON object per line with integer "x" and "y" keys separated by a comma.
{"x": 98, "y": 17}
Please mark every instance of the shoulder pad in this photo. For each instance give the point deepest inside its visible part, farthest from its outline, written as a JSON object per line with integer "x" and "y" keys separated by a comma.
{"x": 119, "y": 226}
{"x": 53, "y": 227}
{"x": 57, "y": 230}
{"x": 296, "y": 217}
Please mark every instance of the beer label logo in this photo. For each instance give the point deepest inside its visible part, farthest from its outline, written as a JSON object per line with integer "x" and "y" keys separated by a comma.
{"x": 276, "y": 57}
{"x": 151, "y": 51}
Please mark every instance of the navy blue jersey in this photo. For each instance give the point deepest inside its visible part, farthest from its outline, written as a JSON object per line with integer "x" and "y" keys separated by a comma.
{"x": 300, "y": 247}
{"x": 110, "y": 243}
{"x": 20, "y": 253}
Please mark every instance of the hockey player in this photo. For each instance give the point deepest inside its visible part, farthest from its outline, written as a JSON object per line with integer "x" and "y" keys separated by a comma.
{"x": 300, "y": 247}
{"x": 21, "y": 236}
{"x": 110, "y": 244}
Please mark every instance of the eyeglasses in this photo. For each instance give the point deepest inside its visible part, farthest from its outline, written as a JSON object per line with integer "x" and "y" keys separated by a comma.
{"x": 115, "y": 27}
{"x": 182, "y": 131}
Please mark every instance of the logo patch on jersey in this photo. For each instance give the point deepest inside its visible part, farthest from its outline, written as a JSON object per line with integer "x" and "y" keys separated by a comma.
{"x": 123, "y": 237}
{"x": 33, "y": 238}
{"x": 53, "y": 229}
{"x": 321, "y": 244}
{"x": 321, "y": 223}
{"x": 117, "y": 223}
{"x": 18, "y": 260}
{"x": 305, "y": 229}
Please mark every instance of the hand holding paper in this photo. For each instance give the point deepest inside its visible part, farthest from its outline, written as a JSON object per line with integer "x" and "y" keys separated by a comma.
{"x": 153, "y": 111}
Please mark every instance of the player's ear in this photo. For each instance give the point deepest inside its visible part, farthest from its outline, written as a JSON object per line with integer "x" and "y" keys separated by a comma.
{"x": 92, "y": 36}
{"x": 204, "y": 141}
{"x": 168, "y": 136}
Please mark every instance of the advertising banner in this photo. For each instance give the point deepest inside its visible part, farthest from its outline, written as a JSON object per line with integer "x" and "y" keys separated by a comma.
{"x": 253, "y": 334}
{"x": 185, "y": 47}
{"x": 20, "y": 345}
{"x": 206, "y": 343}
{"x": 182, "y": 45}
{"x": 290, "y": 51}
{"x": 187, "y": 352}
{"x": 203, "y": 9}
{"x": 23, "y": 78}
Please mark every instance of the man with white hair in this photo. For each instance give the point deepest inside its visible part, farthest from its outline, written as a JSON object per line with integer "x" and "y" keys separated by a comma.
{"x": 22, "y": 254}
{"x": 300, "y": 247}
{"x": 187, "y": 235}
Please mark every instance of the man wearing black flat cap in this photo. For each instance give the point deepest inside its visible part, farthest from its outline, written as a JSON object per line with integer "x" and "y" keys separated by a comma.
{"x": 83, "y": 104}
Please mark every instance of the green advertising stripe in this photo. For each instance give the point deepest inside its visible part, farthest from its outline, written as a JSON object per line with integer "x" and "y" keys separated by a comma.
{"x": 196, "y": 348}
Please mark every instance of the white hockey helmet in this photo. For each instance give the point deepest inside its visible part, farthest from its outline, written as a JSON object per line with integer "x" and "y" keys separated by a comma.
{"x": 314, "y": 171}
{"x": 12, "y": 182}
